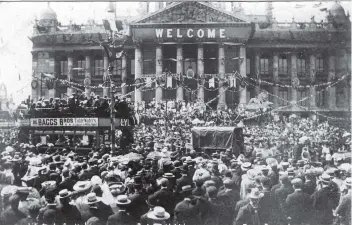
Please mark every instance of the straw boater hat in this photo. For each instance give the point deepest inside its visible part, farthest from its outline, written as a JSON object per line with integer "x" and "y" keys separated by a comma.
{"x": 81, "y": 186}
{"x": 348, "y": 182}
{"x": 158, "y": 213}
{"x": 325, "y": 178}
{"x": 246, "y": 166}
{"x": 122, "y": 200}
{"x": 92, "y": 199}
{"x": 64, "y": 194}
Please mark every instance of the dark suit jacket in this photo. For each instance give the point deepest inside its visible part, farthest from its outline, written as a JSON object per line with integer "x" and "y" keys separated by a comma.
{"x": 280, "y": 196}
{"x": 246, "y": 215}
{"x": 138, "y": 205}
{"x": 67, "y": 183}
{"x": 121, "y": 217}
{"x": 229, "y": 199}
{"x": 165, "y": 199}
{"x": 344, "y": 209}
{"x": 183, "y": 181}
{"x": 323, "y": 203}
{"x": 187, "y": 213}
{"x": 69, "y": 214}
{"x": 213, "y": 212}
{"x": 309, "y": 187}
{"x": 10, "y": 216}
{"x": 298, "y": 206}
{"x": 267, "y": 206}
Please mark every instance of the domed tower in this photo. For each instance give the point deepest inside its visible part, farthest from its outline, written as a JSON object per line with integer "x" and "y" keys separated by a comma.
{"x": 337, "y": 16}
{"x": 48, "y": 19}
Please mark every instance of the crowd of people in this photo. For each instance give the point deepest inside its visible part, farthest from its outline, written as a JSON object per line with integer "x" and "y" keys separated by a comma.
{"x": 292, "y": 171}
{"x": 76, "y": 106}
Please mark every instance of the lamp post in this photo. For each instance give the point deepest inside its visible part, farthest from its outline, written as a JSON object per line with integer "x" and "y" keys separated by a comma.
{"x": 112, "y": 108}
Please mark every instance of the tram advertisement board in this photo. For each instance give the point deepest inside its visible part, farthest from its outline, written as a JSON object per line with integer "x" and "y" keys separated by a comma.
{"x": 64, "y": 122}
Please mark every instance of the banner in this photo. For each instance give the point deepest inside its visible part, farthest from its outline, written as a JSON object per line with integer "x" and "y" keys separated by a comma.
{"x": 64, "y": 122}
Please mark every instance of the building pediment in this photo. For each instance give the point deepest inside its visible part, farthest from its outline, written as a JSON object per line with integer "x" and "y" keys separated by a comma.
{"x": 189, "y": 12}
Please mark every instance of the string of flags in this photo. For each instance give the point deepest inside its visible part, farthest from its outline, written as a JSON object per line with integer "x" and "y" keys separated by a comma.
{"x": 299, "y": 86}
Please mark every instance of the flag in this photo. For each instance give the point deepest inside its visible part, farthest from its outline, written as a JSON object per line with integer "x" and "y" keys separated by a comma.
{"x": 232, "y": 81}
{"x": 107, "y": 25}
{"x": 212, "y": 83}
{"x": 324, "y": 9}
{"x": 169, "y": 81}
{"x": 19, "y": 77}
{"x": 317, "y": 5}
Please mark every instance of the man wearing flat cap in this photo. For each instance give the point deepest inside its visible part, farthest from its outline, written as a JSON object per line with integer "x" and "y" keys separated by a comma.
{"x": 69, "y": 213}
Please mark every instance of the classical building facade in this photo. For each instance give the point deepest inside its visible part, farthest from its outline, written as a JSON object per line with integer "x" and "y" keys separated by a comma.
{"x": 203, "y": 52}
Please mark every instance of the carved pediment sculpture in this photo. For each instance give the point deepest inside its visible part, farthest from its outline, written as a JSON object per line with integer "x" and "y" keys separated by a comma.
{"x": 190, "y": 12}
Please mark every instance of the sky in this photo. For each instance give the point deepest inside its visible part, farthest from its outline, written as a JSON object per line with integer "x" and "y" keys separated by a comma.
{"x": 17, "y": 19}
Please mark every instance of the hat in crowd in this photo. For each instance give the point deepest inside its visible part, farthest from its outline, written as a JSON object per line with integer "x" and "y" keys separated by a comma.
{"x": 300, "y": 162}
{"x": 325, "y": 178}
{"x": 186, "y": 188}
{"x": 64, "y": 194}
{"x": 122, "y": 200}
{"x": 297, "y": 181}
{"x": 158, "y": 213}
{"x": 16, "y": 158}
{"x": 119, "y": 186}
{"x": 271, "y": 162}
{"x": 251, "y": 174}
{"x": 331, "y": 171}
{"x": 265, "y": 168}
{"x": 81, "y": 186}
{"x": 255, "y": 194}
{"x": 246, "y": 166}
{"x": 348, "y": 182}
{"x": 94, "y": 221}
{"x": 285, "y": 165}
{"x": 168, "y": 175}
{"x": 92, "y": 199}
{"x": 290, "y": 171}
{"x": 328, "y": 157}
{"x": 228, "y": 182}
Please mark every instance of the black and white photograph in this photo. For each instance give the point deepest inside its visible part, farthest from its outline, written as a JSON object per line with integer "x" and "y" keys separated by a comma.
{"x": 175, "y": 113}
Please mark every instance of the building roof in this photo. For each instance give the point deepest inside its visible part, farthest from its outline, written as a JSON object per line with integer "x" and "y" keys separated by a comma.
{"x": 48, "y": 14}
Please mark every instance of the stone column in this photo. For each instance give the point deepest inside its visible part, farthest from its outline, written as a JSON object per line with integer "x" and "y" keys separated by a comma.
{"x": 242, "y": 68}
{"x": 138, "y": 69}
{"x": 106, "y": 86}
{"x": 293, "y": 71}
{"x": 200, "y": 70}
{"x": 179, "y": 71}
{"x": 158, "y": 72}
{"x": 70, "y": 90}
{"x": 88, "y": 73}
{"x": 257, "y": 69}
{"x": 51, "y": 69}
{"x": 276, "y": 76}
{"x": 331, "y": 76}
{"x": 312, "y": 90}
{"x": 124, "y": 74}
{"x": 221, "y": 70}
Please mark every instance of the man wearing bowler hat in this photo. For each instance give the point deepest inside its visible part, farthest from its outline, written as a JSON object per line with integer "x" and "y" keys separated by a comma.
{"x": 138, "y": 199}
{"x": 187, "y": 211}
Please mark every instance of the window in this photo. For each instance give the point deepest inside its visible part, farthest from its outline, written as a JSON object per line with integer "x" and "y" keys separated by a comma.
{"x": 264, "y": 66}
{"x": 319, "y": 66}
{"x": 321, "y": 98}
{"x": 117, "y": 67}
{"x": 301, "y": 67}
{"x": 149, "y": 60}
{"x": 283, "y": 69}
{"x": 283, "y": 94}
{"x": 98, "y": 66}
{"x": 248, "y": 66}
{"x": 231, "y": 64}
{"x": 81, "y": 63}
{"x": 63, "y": 68}
{"x": 301, "y": 94}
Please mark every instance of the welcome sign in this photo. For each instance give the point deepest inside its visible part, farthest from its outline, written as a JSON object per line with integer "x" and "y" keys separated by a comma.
{"x": 191, "y": 33}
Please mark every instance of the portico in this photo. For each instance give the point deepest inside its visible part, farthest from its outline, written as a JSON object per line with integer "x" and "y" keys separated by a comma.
{"x": 201, "y": 54}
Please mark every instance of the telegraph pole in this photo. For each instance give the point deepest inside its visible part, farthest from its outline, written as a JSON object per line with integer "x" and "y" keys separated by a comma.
{"x": 112, "y": 108}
